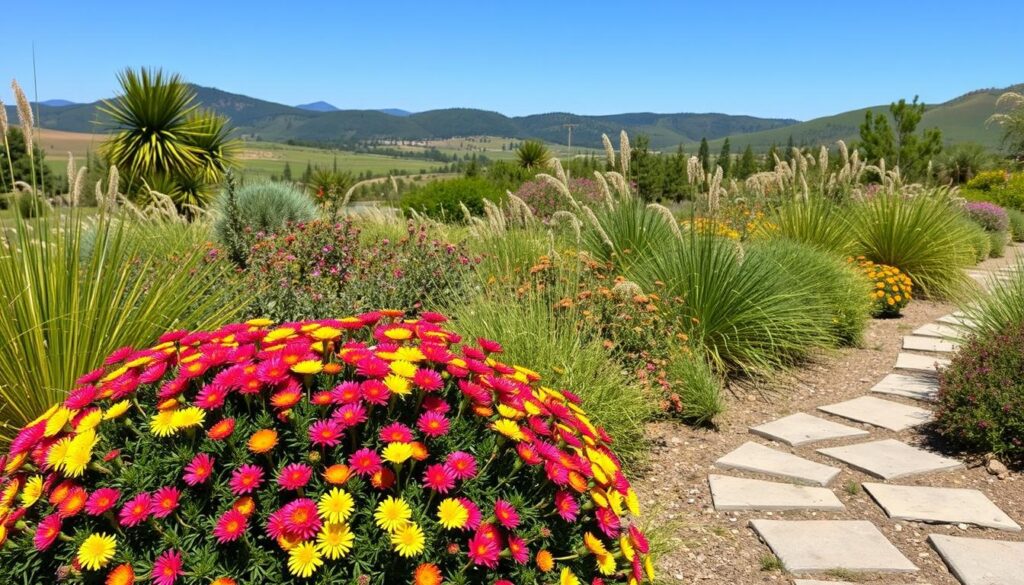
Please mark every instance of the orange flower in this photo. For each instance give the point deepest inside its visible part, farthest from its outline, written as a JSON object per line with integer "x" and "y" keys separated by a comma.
{"x": 332, "y": 368}
{"x": 223, "y": 581}
{"x": 263, "y": 441}
{"x": 427, "y": 574}
{"x": 545, "y": 562}
{"x": 121, "y": 575}
{"x": 245, "y": 505}
{"x": 337, "y": 474}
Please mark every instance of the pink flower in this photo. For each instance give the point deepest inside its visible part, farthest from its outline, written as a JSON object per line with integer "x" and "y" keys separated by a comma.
{"x": 489, "y": 346}
{"x": 517, "y": 548}
{"x": 435, "y": 403}
{"x": 346, "y": 393}
{"x": 483, "y": 550}
{"x": 211, "y": 396}
{"x": 506, "y": 514}
{"x": 136, "y": 510}
{"x": 427, "y": 379}
{"x": 230, "y": 526}
{"x": 461, "y": 464}
{"x": 102, "y": 500}
{"x": 47, "y": 532}
{"x": 167, "y": 568}
{"x": 567, "y": 505}
{"x": 325, "y": 433}
{"x": 438, "y": 478}
{"x": 433, "y": 424}
{"x": 199, "y": 470}
{"x": 294, "y": 476}
{"x": 350, "y": 415}
{"x": 246, "y": 479}
{"x": 396, "y": 433}
{"x": 301, "y": 518}
{"x": 375, "y": 392}
{"x": 165, "y": 501}
{"x": 608, "y": 522}
{"x": 474, "y": 519}
{"x": 364, "y": 462}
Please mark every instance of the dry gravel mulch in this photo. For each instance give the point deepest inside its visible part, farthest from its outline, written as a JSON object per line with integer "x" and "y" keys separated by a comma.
{"x": 706, "y": 546}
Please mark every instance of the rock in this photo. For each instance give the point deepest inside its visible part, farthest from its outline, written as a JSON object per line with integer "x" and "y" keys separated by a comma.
{"x": 996, "y": 467}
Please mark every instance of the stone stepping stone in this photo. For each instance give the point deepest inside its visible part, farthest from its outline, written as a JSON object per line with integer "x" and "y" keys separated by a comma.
{"x": 939, "y": 330}
{"x": 940, "y": 505}
{"x": 737, "y": 493}
{"x": 919, "y": 363}
{"x": 917, "y": 387}
{"x": 977, "y": 561}
{"x": 918, "y": 343}
{"x": 800, "y": 429}
{"x": 817, "y": 546}
{"x": 890, "y": 459}
{"x": 757, "y": 458}
{"x": 880, "y": 413}
{"x": 957, "y": 320}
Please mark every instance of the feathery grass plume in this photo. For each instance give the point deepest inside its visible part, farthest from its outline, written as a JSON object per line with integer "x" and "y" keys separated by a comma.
{"x": 608, "y": 200}
{"x": 609, "y": 150}
{"x": 394, "y": 184}
{"x": 352, "y": 189}
{"x": 625, "y": 153}
{"x": 626, "y": 289}
{"x": 113, "y": 186}
{"x": 72, "y": 173}
{"x": 844, "y": 154}
{"x": 562, "y": 217}
{"x": 695, "y": 171}
{"x": 620, "y": 184}
{"x": 3, "y": 132}
{"x": 823, "y": 159}
{"x": 589, "y": 214}
{"x": 75, "y": 192}
{"x": 562, "y": 187}
{"x": 807, "y": 190}
{"x": 669, "y": 218}
{"x": 24, "y": 115}
{"x": 3, "y": 118}
{"x": 519, "y": 211}
{"x": 465, "y": 212}
{"x": 559, "y": 171}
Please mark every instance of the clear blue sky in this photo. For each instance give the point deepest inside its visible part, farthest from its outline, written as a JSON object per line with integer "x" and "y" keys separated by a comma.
{"x": 777, "y": 59}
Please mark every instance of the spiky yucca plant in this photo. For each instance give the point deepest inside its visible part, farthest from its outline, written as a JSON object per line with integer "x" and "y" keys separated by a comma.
{"x": 533, "y": 155}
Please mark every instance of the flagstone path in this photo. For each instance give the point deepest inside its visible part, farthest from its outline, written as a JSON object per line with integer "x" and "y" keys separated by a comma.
{"x": 821, "y": 549}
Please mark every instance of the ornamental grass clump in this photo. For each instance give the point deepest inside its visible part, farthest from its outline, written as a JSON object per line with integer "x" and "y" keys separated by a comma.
{"x": 891, "y": 290}
{"x": 368, "y": 449}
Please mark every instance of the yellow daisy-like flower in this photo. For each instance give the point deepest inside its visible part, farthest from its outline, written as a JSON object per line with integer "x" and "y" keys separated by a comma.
{"x": 277, "y": 335}
{"x": 452, "y": 514}
{"x": 409, "y": 354}
{"x": 509, "y": 412}
{"x": 398, "y": 333}
{"x": 568, "y": 577}
{"x": 263, "y": 441}
{"x": 627, "y": 548}
{"x": 15, "y": 463}
{"x": 162, "y": 424}
{"x": 594, "y": 544}
{"x": 96, "y": 551}
{"x": 140, "y": 361}
{"x": 56, "y": 422}
{"x": 397, "y": 452}
{"x": 326, "y": 333}
{"x": 304, "y": 559}
{"x": 117, "y": 410}
{"x": 403, "y": 368}
{"x": 79, "y": 453}
{"x": 335, "y": 540}
{"x": 606, "y": 563}
{"x": 510, "y": 429}
{"x": 89, "y": 421}
{"x": 409, "y": 540}
{"x": 259, "y": 322}
{"x": 33, "y": 489}
{"x": 398, "y": 385}
{"x": 192, "y": 416}
{"x": 308, "y": 367}
{"x": 392, "y": 514}
{"x": 59, "y": 450}
{"x": 335, "y": 506}
{"x": 615, "y": 501}
{"x": 649, "y": 568}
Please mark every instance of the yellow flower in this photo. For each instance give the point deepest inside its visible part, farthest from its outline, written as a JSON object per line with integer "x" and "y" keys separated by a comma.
{"x": 79, "y": 453}
{"x": 605, "y": 564}
{"x": 649, "y": 568}
{"x": 277, "y": 335}
{"x": 403, "y": 368}
{"x": 335, "y": 540}
{"x": 392, "y": 514}
{"x": 568, "y": 577}
{"x": 57, "y": 421}
{"x": 632, "y": 502}
{"x": 594, "y": 544}
{"x": 510, "y": 429}
{"x": 263, "y": 440}
{"x": 96, "y": 551}
{"x": 397, "y": 452}
{"x": 627, "y": 548}
{"x": 262, "y": 322}
{"x": 33, "y": 489}
{"x": 58, "y": 451}
{"x": 162, "y": 424}
{"x": 326, "y": 333}
{"x": 409, "y": 354}
{"x": 409, "y": 540}
{"x": 89, "y": 421}
{"x": 188, "y": 417}
{"x": 117, "y": 409}
{"x": 308, "y": 367}
{"x": 398, "y": 385}
{"x": 335, "y": 506}
{"x": 304, "y": 559}
{"x": 452, "y": 514}
{"x": 398, "y": 333}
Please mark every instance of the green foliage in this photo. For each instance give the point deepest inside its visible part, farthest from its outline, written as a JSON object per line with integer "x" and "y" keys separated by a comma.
{"x": 1016, "y": 224}
{"x": 815, "y": 222}
{"x": 532, "y": 155}
{"x": 897, "y": 143}
{"x": 923, "y": 235}
{"x": 997, "y": 187}
{"x": 29, "y": 205}
{"x": 260, "y": 207}
{"x": 444, "y": 199}
{"x": 61, "y": 311}
{"x": 14, "y": 159}
{"x": 962, "y": 162}
{"x": 324, "y": 182}
{"x": 626, "y": 233}
{"x": 698, "y": 388}
{"x": 981, "y": 243}
{"x": 999, "y": 241}
{"x": 164, "y": 141}
{"x": 1011, "y": 119}
{"x": 1002, "y": 307}
{"x": 981, "y": 394}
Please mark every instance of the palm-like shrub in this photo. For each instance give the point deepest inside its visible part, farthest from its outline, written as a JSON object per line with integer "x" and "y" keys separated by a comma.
{"x": 533, "y": 155}
{"x": 1002, "y": 307}
{"x": 64, "y": 306}
{"x": 363, "y": 449}
{"x": 923, "y": 235}
{"x": 626, "y": 232}
{"x": 163, "y": 140}
{"x": 816, "y": 222}
{"x": 261, "y": 207}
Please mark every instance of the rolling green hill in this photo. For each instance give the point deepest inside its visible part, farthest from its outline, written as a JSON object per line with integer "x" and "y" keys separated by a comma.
{"x": 960, "y": 119}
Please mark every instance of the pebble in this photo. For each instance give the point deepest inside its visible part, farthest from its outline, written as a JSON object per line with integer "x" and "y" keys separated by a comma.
{"x": 962, "y": 526}
{"x": 898, "y": 528}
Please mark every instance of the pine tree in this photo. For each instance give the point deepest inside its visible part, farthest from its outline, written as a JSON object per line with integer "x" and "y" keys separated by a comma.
{"x": 704, "y": 155}
{"x": 769, "y": 161}
{"x": 900, "y": 146}
{"x": 308, "y": 173}
{"x": 725, "y": 158}
{"x": 286, "y": 174}
{"x": 788, "y": 155}
{"x": 747, "y": 165}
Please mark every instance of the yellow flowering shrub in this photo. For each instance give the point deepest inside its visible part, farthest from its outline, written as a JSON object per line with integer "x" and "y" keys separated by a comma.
{"x": 892, "y": 289}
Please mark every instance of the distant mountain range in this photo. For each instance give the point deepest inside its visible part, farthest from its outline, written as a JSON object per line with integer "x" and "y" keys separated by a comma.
{"x": 960, "y": 119}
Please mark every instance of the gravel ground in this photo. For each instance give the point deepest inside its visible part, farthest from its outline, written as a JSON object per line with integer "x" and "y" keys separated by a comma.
{"x": 719, "y": 547}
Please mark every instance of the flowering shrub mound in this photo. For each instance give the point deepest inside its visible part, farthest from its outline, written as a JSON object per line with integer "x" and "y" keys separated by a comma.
{"x": 368, "y": 449}
{"x": 981, "y": 395}
{"x": 988, "y": 215}
{"x": 544, "y": 199}
{"x": 891, "y": 289}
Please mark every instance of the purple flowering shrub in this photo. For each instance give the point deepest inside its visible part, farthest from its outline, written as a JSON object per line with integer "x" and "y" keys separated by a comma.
{"x": 324, "y": 268}
{"x": 981, "y": 395}
{"x": 988, "y": 215}
{"x": 544, "y": 199}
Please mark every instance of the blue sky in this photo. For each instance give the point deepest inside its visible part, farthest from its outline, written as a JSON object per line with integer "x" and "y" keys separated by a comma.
{"x": 774, "y": 59}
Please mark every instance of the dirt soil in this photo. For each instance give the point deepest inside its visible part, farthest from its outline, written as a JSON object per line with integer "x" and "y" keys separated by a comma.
{"x": 706, "y": 546}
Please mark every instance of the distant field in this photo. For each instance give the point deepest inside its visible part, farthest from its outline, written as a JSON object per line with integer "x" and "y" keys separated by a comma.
{"x": 495, "y": 148}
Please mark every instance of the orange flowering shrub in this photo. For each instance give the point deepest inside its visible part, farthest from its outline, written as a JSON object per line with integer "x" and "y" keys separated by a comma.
{"x": 368, "y": 449}
{"x": 891, "y": 290}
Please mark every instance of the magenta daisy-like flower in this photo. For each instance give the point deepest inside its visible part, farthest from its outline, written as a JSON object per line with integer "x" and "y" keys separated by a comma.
{"x": 167, "y": 568}
{"x": 245, "y": 479}
{"x": 199, "y": 470}
{"x": 427, "y": 379}
{"x": 483, "y": 550}
{"x": 47, "y": 532}
{"x": 506, "y": 514}
{"x": 165, "y": 502}
{"x": 136, "y": 510}
{"x": 211, "y": 396}
{"x": 346, "y": 393}
{"x": 373, "y": 367}
{"x": 567, "y": 505}
{"x": 461, "y": 464}
{"x": 517, "y": 548}
{"x": 301, "y": 518}
{"x": 349, "y": 415}
{"x": 325, "y": 433}
{"x": 276, "y": 525}
{"x": 433, "y": 424}
{"x": 364, "y": 462}
{"x": 375, "y": 392}
{"x": 435, "y": 403}
{"x": 608, "y": 522}
{"x": 396, "y": 433}
{"x": 231, "y": 525}
{"x": 294, "y": 476}
{"x": 438, "y": 478}
{"x": 475, "y": 517}
{"x": 102, "y": 500}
